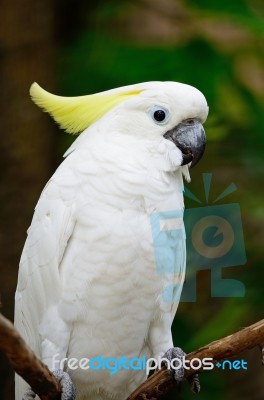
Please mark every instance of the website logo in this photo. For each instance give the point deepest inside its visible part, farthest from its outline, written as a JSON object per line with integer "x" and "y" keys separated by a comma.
{"x": 214, "y": 240}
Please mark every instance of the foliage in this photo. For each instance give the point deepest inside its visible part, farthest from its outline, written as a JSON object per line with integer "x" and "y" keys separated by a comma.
{"x": 222, "y": 56}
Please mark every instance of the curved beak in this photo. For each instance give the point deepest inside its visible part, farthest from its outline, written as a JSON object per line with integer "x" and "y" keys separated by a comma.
{"x": 189, "y": 137}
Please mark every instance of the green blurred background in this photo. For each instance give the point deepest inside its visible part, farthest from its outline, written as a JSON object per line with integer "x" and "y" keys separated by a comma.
{"x": 80, "y": 47}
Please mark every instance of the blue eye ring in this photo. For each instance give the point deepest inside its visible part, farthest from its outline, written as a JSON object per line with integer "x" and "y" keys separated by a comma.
{"x": 159, "y": 114}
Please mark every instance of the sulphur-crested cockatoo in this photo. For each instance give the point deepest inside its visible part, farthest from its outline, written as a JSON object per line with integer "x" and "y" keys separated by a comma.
{"x": 95, "y": 280}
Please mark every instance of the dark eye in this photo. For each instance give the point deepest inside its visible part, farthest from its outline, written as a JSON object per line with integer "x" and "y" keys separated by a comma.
{"x": 159, "y": 115}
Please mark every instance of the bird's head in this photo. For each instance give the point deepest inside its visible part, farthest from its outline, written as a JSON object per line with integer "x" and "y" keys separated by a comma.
{"x": 167, "y": 114}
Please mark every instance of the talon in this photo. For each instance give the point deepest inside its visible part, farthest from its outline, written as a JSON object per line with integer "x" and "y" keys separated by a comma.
{"x": 178, "y": 374}
{"x": 29, "y": 395}
{"x": 176, "y": 352}
{"x": 194, "y": 383}
{"x": 67, "y": 387}
{"x": 261, "y": 346}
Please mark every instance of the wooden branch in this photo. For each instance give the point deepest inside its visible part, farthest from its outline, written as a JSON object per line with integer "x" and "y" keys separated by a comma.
{"x": 38, "y": 376}
{"x": 161, "y": 382}
{"x": 26, "y": 364}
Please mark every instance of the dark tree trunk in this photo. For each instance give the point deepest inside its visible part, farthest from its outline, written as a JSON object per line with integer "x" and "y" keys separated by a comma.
{"x": 26, "y": 55}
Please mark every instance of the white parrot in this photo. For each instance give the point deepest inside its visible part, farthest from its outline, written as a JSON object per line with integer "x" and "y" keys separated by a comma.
{"x": 89, "y": 284}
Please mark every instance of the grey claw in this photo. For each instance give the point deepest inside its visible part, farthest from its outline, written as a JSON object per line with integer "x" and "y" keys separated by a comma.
{"x": 29, "y": 395}
{"x": 194, "y": 383}
{"x": 67, "y": 387}
{"x": 177, "y": 352}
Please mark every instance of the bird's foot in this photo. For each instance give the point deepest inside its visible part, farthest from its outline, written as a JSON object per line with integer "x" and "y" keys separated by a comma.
{"x": 178, "y": 373}
{"x": 194, "y": 383}
{"x": 67, "y": 387}
{"x": 29, "y": 395}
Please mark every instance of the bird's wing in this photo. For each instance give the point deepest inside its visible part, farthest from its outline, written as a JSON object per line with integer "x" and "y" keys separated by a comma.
{"x": 39, "y": 283}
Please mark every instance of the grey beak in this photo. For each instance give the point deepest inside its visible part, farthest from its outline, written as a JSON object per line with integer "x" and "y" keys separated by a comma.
{"x": 189, "y": 137}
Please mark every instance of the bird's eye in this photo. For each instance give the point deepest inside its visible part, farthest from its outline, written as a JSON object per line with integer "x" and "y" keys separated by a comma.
{"x": 159, "y": 114}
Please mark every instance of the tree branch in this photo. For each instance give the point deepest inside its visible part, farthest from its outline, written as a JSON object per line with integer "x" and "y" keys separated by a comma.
{"x": 38, "y": 376}
{"x": 162, "y": 381}
{"x": 26, "y": 364}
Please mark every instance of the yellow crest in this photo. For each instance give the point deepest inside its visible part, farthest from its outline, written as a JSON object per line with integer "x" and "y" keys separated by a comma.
{"x": 74, "y": 114}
